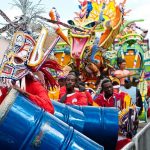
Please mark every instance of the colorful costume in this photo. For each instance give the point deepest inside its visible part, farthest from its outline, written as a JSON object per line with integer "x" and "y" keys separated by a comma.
{"x": 27, "y": 55}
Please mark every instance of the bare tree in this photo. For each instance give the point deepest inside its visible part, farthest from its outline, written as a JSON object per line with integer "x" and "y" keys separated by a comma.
{"x": 29, "y": 12}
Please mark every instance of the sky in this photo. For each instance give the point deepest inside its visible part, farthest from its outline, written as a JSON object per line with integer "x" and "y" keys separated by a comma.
{"x": 66, "y": 9}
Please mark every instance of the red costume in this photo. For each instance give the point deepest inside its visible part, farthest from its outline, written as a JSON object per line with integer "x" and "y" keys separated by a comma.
{"x": 36, "y": 93}
{"x": 76, "y": 98}
{"x": 89, "y": 97}
{"x": 39, "y": 95}
{"x": 102, "y": 101}
{"x": 3, "y": 93}
{"x": 122, "y": 143}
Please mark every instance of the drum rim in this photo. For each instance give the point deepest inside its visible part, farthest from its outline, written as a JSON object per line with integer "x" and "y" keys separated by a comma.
{"x": 7, "y": 103}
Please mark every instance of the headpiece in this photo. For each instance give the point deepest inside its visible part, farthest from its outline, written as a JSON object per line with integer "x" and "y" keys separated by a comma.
{"x": 27, "y": 55}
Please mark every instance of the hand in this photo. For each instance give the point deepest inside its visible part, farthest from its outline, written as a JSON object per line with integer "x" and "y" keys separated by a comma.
{"x": 7, "y": 82}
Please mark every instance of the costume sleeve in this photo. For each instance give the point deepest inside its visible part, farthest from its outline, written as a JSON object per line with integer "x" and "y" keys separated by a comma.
{"x": 41, "y": 102}
{"x": 139, "y": 101}
{"x": 39, "y": 95}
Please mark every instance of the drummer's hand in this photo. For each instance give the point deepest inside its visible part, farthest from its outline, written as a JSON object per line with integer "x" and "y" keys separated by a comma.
{"x": 7, "y": 82}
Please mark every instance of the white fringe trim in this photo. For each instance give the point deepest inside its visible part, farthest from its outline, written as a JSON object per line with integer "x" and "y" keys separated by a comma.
{"x": 7, "y": 102}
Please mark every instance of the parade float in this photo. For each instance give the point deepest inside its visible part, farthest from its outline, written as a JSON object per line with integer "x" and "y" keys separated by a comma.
{"x": 132, "y": 45}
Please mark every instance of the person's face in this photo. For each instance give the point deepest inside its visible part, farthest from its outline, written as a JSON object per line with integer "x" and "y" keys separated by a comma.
{"x": 70, "y": 81}
{"x": 122, "y": 65}
{"x": 108, "y": 88}
{"x": 61, "y": 82}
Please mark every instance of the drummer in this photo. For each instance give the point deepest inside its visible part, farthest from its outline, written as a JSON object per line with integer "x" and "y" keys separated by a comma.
{"x": 34, "y": 91}
{"x": 69, "y": 95}
{"x": 108, "y": 98}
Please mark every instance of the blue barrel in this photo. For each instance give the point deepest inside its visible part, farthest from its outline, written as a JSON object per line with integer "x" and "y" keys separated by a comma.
{"x": 69, "y": 115}
{"x": 98, "y": 123}
{"x": 25, "y": 126}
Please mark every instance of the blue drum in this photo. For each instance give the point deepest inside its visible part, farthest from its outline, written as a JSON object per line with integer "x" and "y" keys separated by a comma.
{"x": 24, "y": 126}
{"x": 98, "y": 123}
{"x": 69, "y": 115}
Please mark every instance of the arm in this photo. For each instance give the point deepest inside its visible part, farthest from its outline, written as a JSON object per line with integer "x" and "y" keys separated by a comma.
{"x": 38, "y": 95}
{"x": 119, "y": 75}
